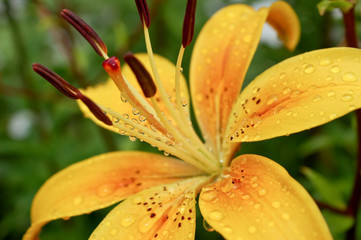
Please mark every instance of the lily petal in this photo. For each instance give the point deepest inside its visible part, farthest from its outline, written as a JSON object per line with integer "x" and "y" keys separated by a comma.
{"x": 257, "y": 199}
{"x": 161, "y": 212}
{"x": 221, "y": 57}
{"x": 99, "y": 182}
{"x": 284, "y": 20}
{"x": 108, "y": 95}
{"x": 297, "y": 94}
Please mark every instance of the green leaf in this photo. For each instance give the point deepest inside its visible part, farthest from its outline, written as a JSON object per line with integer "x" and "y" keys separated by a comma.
{"x": 339, "y": 224}
{"x": 328, "y": 5}
{"x": 326, "y": 189}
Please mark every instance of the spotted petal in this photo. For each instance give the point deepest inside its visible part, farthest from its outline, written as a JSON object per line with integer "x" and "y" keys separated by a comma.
{"x": 99, "y": 182}
{"x": 297, "y": 94}
{"x": 161, "y": 212}
{"x": 221, "y": 57}
{"x": 108, "y": 95}
{"x": 257, "y": 200}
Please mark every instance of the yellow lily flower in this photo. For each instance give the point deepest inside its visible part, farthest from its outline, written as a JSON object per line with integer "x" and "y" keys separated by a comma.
{"x": 247, "y": 197}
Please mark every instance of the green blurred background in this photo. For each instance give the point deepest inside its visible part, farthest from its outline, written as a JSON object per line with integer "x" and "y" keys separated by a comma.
{"x": 42, "y": 132}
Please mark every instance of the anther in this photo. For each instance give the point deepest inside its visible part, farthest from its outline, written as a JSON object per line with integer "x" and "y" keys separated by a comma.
{"x": 188, "y": 23}
{"x": 144, "y": 78}
{"x": 70, "y": 91}
{"x": 143, "y": 11}
{"x": 86, "y": 31}
{"x": 58, "y": 82}
{"x": 111, "y": 64}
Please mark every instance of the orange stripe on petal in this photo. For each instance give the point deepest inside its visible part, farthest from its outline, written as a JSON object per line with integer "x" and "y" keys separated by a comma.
{"x": 297, "y": 94}
{"x": 101, "y": 181}
{"x": 220, "y": 59}
{"x": 257, "y": 199}
{"x": 283, "y": 18}
{"x": 161, "y": 212}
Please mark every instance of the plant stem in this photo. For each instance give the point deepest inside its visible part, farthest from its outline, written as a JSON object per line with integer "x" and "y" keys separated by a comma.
{"x": 354, "y": 203}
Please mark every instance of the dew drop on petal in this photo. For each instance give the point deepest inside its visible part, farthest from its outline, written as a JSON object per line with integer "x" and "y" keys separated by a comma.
{"x": 113, "y": 232}
{"x": 276, "y": 204}
{"x": 78, "y": 200}
{"x": 138, "y": 199}
{"x": 285, "y": 216}
{"x": 332, "y": 116}
{"x": 331, "y": 94}
{"x": 325, "y": 62}
{"x": 262, "y": 192}
{"x": 309, "y": 68}
{"x": 347, "y": 97}
{"x": 206, "y": 226}
{"x": 352, "y": 107}
{"x": 208, "y": 195}
{"x": 216, "y": 215}
{"x": 317, "y": 98}
{"x": 127, "y": 220}
{"x": 228, "y": 230}
{"x": 335, "y": 69}
{"x": 349, "y": 77}
{"x": 105, "y": 190}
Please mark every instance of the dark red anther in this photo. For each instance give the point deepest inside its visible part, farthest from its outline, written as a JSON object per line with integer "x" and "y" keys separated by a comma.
{"x": 70, "y": 91}
{"x": 143, "y": 11}
{"x": 85, "y": 30}
{"x": 111, "y": 64}
{"x": 144, "y": 78}
{"x": 58, "y": 82}
{"x": 97, "y": 112}
{"x": 188, "y": 23}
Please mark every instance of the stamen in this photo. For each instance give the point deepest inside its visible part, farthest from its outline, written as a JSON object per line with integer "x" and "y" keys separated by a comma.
{"x": 145, "y": 80}
{"x": 58, "y": 82}
{"x": 188, "y": 23}
{"x": 70, "y": 91}
{"x": 86, "y": 31}
{"x": 143, "y": 12}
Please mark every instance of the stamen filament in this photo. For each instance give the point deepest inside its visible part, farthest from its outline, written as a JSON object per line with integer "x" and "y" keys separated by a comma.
{"x": 185, "y": 127}
{"x": 150, "y": 137}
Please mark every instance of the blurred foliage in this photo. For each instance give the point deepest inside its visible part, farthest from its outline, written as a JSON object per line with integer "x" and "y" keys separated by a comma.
{"x": 42, "y": 132}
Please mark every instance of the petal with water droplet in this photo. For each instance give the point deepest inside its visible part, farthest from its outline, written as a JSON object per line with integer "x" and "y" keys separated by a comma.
{"x": 101, "y": 181}
{"x": 220, "y": 60}
{"x": 278, "y": 207}
{"x": 323, "y": 94}
{"x": 161, "y": 212}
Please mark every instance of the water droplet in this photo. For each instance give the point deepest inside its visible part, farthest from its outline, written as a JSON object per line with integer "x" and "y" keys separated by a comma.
{"x": 325, "y": 61}
{"x": 138, "y": 199}
{"x": 106, "y": 190}
{"x": 352, "y": 107}
{"x": 317, "y": 98}
{"x": 329, "y": 78}
{"x": 135, "y": 111}
{"x": 228, "y": 230}
{"x": 295, "y": 93}
{"x": 142, "y": 118}
{"x": 123, "y": 98}
{"x": 126, "y": 116}
{"x": 216, "y": 215}
{"x": 271, "y": 99}
{"x": 331, "y": 94}
{"x": 190, "y": 235}
{"x": 347, "y": 97}
{"x": 309, "y": 68}
{"x": 145, "y": 224}
{"x": 247, "y": 38}
{"x": 245, "y": 196}
{"x": 349, "y": 77}
{"x": 132, "y": 138}
{"x": 78, "y": 200}
{"x": 181, "y": 69}
{"x": 332, "y": 116}
{"x": 285, "y": 216}
{"x": 286, "y": 91}
{"x": 208, "y": 195}
{"x": 262, "y": 192}
{"x": 252, "y": 229}
{"x": 282, "y": 75}
{"x": 257, "y": 206}
{"x": 166, "y": 154}
{"x": 127, "y": 220}
{"x": 276, "y": 204}
{"x": 335, "y": 69}
{"x": 113, "y": 232}
{"x": 206, "y": 226}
